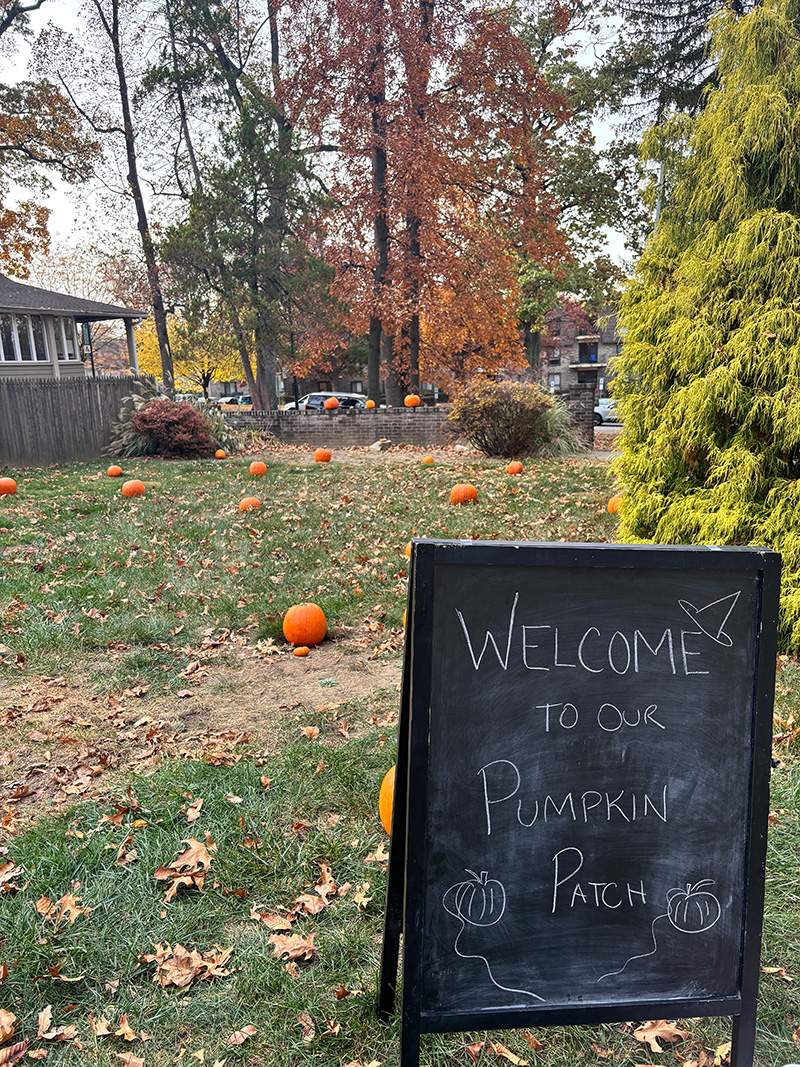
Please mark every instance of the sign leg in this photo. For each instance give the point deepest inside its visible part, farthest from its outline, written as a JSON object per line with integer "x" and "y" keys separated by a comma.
{"x": 743, "y": 1045}
{"x": 395, "y": 880}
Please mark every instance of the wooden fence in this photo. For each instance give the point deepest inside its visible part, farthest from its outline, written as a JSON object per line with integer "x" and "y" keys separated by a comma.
{"x": 44, "y": 421}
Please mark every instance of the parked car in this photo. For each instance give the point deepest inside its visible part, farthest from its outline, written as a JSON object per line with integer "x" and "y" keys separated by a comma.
{"x": 316, "y": 401}
{"x": 605, "y": 411}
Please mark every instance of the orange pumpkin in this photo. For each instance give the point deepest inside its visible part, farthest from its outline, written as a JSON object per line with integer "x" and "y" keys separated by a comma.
{"x": 412, "y": 401}
{"x": 220, "y": 453}
{"x": 386, "y": 800}
{"x": 322, "y": 455}
{"x": 613, "y": 504}
{"x": 114, "y": 471}
{"x": 301, "y": 650}
{"x": 133, "y": 488}
{"x": 428, "y": 459}
{"x": 370, "y": 404}
{"x": 331, "y": 404}
{"x": 514, "y": 467}
{"x": 7, "y": 487}
{"x": 304, "y": 624}
{"x": 257, "y": 467}
{"x": 463, "y": 494}
{"x": 249, "y": 503}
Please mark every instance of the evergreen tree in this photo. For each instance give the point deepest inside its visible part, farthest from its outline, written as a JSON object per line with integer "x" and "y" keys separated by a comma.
{"x": 663, "y": 53}
{"x": 709, "y": 377}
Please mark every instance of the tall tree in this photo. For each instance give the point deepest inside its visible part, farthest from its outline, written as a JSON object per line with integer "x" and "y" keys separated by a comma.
{"x": 447, "y": 99}
{"x": 115, "y": 32}
{"x": 707, "y": 380}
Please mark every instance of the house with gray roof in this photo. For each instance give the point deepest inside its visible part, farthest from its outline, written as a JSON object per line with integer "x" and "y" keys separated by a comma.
{"x": 40, "y": 335}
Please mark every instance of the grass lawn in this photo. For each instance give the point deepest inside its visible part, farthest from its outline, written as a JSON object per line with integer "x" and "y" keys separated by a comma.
{"x": 191, "y": 864}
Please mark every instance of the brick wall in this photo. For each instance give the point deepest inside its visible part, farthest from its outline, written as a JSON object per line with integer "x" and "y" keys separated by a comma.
{"x": 348, "y": 427}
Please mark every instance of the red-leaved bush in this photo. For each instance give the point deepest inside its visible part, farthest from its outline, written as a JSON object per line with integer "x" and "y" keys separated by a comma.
{"x": 178, "y": 431}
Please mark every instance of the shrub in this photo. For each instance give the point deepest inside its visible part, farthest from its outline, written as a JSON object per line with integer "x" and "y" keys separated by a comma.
{"x": 513, "y": 419}
{"x": 178, "y": 431}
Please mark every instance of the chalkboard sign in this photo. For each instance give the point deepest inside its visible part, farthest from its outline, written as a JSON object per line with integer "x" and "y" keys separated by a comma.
{"x": 582, "y": 786}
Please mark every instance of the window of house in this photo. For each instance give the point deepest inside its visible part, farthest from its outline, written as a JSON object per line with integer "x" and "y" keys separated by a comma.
{"x": 356, "y": 387}
{"x": 8, "y": 345}
{"x": 323, "y": 387}
{"x": 587, "y": 351}
{"x": 38, "y": 340}
{"x": 70, "y": 339}
{"x": 554, "y": 383}
{"x": 23, "y": 337}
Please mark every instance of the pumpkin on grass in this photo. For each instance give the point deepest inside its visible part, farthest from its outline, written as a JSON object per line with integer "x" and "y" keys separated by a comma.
{"x": 249, "y": 503}
{"x": 258, "y": 467}
{"x": 428, "y": 459}
{"x": 133, "y": 488}
{"x": 463, "y": 493}
{"x": 322, "y": 455}
{"x": 613, "y": 504}
{"x": 7, "y": 487}
{"x": 386, "y": 800}
{"x": 220, "y": 453}
{"x": 114, "y": 471}
{"x": 304, "y": 624}
{"x": 514, "y": 467}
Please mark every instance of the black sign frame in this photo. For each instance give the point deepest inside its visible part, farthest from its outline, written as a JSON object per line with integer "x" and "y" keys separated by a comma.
{"x": 406, "y": 885}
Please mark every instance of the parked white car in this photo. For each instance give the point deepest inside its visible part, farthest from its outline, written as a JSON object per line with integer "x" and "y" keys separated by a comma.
{"x": 316, "y": 401}
{"x": 605, "y": 411}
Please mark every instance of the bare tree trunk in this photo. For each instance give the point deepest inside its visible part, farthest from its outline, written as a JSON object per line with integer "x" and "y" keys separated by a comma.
{"x": 377, "y": 99}
{"x": 112, "y": 30}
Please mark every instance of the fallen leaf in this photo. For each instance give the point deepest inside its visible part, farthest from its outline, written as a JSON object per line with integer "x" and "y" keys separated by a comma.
{"x": 232, "y": 799}
{"x": 360, "y": 898}
{"x": 7, "y": 1020}
{"x": 45, "y": 1020}
{"x": 193, "y": 811}
{"x": 779, "y": 972}
{"x": 606, "y": 1053}
{"x": 13, "y": 1054}
{"x": 125, "y": 1029}
{"x": 474, "y": 1051}
{"x": 61, "y": 1033}
{"x": 294, "y": 946}
{"x": 129, "y": 1059}
{"x": 176, "y": 966}
{"x": 722, "y": 1054}
{"x": 274, "y": 922}
{"x": 310, "y": 903}
{"x": 99, "y": 1026}
{"x": 658, "y": 1030}
{"x": 332, "y": 1028}
{"x": 238, "y": 1037}
{"x": 502, "y": 1052}
{"x": 534, "y": 1042}
{"x": 310, "y": 731}
{"x": 65, "y": 908}
{"x": 307, "y": 1026}
{"x": 38, "y": 1054}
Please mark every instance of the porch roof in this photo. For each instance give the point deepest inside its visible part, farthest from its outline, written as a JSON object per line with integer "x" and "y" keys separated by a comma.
{"x": 27, "y": 299}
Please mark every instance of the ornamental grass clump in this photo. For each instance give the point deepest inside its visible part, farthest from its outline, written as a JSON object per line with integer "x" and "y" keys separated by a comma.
{"x": 513, "y": 419}
{"x": 707, "y": 382}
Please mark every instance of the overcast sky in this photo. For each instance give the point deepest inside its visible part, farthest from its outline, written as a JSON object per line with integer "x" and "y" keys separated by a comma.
{"x": 66, "y": 215}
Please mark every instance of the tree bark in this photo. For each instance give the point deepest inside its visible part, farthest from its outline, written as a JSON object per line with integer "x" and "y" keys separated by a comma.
{"x": 377, "y": 100}
{"x": 111, "y": 29}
